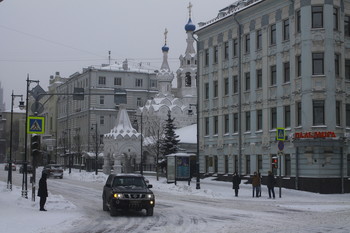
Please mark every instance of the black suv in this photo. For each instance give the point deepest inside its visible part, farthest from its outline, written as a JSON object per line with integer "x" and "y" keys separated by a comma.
{"x": 127, "y": 191}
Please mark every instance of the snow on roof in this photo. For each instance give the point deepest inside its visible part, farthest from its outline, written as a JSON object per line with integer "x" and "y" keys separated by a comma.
{"x": 235, "y": 7}
{"x": 181, "y": 154}
{"x": 187, "y": 134}
{"x": 92, "y": 155}
{"x": 127, "y": 66}
{"x": 123, "y": 125}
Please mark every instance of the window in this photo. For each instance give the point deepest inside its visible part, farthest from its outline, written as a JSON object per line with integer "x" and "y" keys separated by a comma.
{"x": 226, "y": 50}
{"x": 247, "y": 121}
{"x": 298, "y": 20}
{"x": 235, "y": 47}
{"x": 153, "y": 83}
{"x": 317, "y": 17}
{"x": 216, "y": 54}
{"x": 260, "y": 162}
{"x": 258, "y": 39}
{"x": 139, "y": 102}
{"x": 226, "y": 87}
{"x": 216, "y": 125}
{"x": 235, "y": 121}
{"x": 298, "y": 67}
{"x": 273, "y": 34}
{"x": 207, "y": 126}
{"x": 317, "y": 64}
{"x": 206, "y": 59}
{"x": 337, "y": 113}
{"x": 347, "y": 115}
{"x": 335, "y": 19}
{"x": 347, "y": 69}
{"x": 117, "y": 81}
{"x": 347, "y": 25}
{"x": 235, "y": 84}
{"x": 348, "y": 167}
{"x": 273, "y": 74}
{"x": 259, "y": 116}
{"x": 247, "y": 164}
{"x": 286, "y": 29}
{"x": 138, "y": 82}
{"x": 188, "y": 79}
{"x": 226, "y": 124}
{"x": 247, "y": 81}
{"x": 102, "y": 80}
{"x": 273, "y": 118}
{"x": 259, "y": 78}
{"x": 102, "y": 120}
{"x": 120, "y": 96}
{"x": 247, "y": 43}
{"x": 286, "y": 72}
{"x": 216, "y": 88}
{"x": 298, "y": 108}
{"x": 101, "y": 138}
{"x": 206, "y": 86}
{"x": 102, "y": 99}
{"x": 336, "y": 65}
{"x": 287, "y": 165}
{"x": 318, "y": 112}
{"x": 286, "y": 116}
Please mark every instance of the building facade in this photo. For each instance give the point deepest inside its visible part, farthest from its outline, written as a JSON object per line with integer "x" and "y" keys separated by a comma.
{"x": 269, "y": 64}
{"x": 18, "y": 131}
{"x": 105, "y": 88}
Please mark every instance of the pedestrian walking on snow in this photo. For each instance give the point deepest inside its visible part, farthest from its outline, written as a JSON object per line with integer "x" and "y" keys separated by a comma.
{"x": 236, "y": 181}
{"x": 256, "y": 183}
{"x": 42, "y": 191}
{"x": 271, "y": 182}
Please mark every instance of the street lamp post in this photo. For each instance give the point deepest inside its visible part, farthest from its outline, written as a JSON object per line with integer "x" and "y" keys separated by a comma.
{"x": 141, "y": 162}
{"x": 96, "y": 162}
{"x": 198, "y": 185}
{"x": 25, "y": 177}
{"x": 21, "y": 106}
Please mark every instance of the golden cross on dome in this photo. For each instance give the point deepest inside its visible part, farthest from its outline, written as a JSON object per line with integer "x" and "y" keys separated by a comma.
{"x": 165, "y": 34}
{"x": 190, "y": 8}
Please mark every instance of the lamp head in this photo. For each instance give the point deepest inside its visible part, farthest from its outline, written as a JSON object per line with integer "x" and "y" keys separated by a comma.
{"x": 21, "y": 105}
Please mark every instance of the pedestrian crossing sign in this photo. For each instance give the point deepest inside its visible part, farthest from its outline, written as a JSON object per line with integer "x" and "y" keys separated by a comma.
{"x": 280, "y": 134}
{"x": 36, "y": 125}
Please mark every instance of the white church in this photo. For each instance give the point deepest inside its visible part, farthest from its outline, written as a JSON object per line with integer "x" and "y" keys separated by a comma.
{"x": 123, "y": 147}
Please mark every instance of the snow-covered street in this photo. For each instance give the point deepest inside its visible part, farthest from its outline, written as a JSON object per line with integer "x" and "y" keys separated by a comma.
{"x": 75, "y": 205}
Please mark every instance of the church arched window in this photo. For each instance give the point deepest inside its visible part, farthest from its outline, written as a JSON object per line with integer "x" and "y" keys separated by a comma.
{"x": 188, "y": 79}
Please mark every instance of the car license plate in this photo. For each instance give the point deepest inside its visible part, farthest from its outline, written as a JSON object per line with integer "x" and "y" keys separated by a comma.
{"x": 135, "y": 202}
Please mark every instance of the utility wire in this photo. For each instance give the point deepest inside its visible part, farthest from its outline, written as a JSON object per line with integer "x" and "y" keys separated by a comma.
{"x": 49, "y": 41}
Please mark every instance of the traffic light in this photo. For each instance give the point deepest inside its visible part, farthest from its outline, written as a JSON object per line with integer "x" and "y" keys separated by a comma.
{"x": 35, "y": 145}
{"x": 274, "y": 162}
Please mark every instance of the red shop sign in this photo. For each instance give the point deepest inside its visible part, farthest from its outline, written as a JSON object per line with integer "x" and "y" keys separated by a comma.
{"x": 327, "y": 134}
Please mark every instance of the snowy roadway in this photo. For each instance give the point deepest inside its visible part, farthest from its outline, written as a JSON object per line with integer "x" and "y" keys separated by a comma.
{"x": 182, "y": 208}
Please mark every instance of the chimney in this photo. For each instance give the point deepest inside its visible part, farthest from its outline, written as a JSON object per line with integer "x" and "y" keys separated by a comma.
{"x": 125, "y": 64}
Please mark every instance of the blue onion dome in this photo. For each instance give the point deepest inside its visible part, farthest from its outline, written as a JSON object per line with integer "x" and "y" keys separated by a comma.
{"x": 165, "y": 48}
{"x": 190, "y": 27}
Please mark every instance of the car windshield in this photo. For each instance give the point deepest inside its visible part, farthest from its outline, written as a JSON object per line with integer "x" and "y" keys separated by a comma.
{"x": 56, "y": 167}
{"x": 129, "y": 181}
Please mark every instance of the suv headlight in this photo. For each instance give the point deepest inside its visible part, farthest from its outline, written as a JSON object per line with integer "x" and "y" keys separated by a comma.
{"x": 150, "y": 196}
{"x": 117, "y": 195}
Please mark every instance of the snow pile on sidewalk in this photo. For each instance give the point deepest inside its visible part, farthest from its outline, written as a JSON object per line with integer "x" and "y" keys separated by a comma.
{"x": 19, "y": 214}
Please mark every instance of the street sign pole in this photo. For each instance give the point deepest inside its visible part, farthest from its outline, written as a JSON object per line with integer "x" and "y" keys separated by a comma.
{"x": 280, "y": 136}
{"x": 280, "y": 178}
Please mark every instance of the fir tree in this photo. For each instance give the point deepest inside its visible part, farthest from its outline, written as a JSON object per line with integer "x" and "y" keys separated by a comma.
{"x": 169, "y": 144}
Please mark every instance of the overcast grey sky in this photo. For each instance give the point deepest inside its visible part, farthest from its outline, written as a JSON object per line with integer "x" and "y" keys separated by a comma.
{"x": 40, "y": 37}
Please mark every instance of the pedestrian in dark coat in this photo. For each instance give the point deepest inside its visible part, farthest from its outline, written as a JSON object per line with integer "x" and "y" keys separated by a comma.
{"x": 271, "y": 182}
{"x": 42, "y": 191}
{"x": 236, "y": 181}
{"x": 256, "y": 183}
